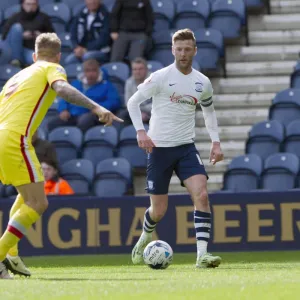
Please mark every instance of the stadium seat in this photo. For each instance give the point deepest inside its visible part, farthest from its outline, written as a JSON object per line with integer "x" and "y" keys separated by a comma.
{"x": 162, "y": 44}
{"x": 285, "y": 106}
{"x": 42, "y": 134}
{"x": 210, "y": 48}
{"x": 11, "y": 10}
{"x": 154, "y": 66}
{"x": 228, "y": 16}
{"x": 6, "y": 72}
{"x": 280, "y": 172}
{"x": 10, "y": 191}
{"x": 5, "y": 53}
{"x": 254, "y": 3}
{"x": 164, "y": 11}
{"x": 265, "y": 138}
{"x": 191, "y": 14}
{"x": 99, "y": 143}
{"x": 295, "y": 77}
{"x": 79, "y": 173}
{"x": 113, "y": 178}
{"x": 52, "y": 111}
{"x": 77, "y": 9}
{"x": 6, "y": 4}
{"x": 291, "y": 143}
{"x": 109, "y": 4}
{"x": 66, "y": 44}
{"x": 129, "y": 149}
{"x": 243, "y": 173}
{"x": 67, "y": 141}
{"x": 73, "y": 70}
{"x": 2, "y": 191}
{"x": 60, "y": 15}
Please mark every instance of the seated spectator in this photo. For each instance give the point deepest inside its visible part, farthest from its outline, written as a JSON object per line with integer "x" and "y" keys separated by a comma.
{"x": 131, "y": 26}
{"x": 139, "y": 70}
{"x": 90, "y": 34}
{"x": 91, "y": 84}
{"x": 54, "y": 185}
{"x": 21, "y": 30}
{"x": 45, "y": 151}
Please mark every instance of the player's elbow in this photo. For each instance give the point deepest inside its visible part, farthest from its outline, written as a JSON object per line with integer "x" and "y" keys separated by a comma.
{"x": 59, "y": 87}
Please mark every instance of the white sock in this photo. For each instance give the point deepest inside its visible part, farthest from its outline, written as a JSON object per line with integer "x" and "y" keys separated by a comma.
{"x": 201, "y": 248}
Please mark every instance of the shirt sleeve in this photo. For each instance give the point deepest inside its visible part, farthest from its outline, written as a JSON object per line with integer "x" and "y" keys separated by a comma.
{"x": 55, "y": 73}
{"x": 206, "y": 96}
{"x": 151, "y": 86}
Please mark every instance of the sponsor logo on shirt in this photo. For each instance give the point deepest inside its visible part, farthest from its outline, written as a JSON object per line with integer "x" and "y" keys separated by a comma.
{"x": 183, "y": 99}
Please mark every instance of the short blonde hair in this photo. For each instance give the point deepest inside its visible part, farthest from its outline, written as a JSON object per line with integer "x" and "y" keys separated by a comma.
{"x": 183, "y": 35}
{"x": 47, "y": 45}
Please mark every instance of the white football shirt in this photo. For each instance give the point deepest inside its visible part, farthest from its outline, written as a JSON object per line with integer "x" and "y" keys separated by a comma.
{"x": 174, "y": 99}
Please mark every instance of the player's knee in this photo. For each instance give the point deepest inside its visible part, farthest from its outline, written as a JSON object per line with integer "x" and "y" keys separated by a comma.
{"x": 158, "y": 213}
{"x": 201, "y": 197}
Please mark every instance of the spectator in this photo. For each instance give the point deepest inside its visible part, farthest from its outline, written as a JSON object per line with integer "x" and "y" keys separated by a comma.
{"x": 45, "y": 151}
{"x": 90, "y": 34}
{"x": 21, "y": 30}
{"x": 139, "y": 70}
{"x": 92, "y": 84}
{"x": 131, "y": 25}
{"x": 54, "y": 185}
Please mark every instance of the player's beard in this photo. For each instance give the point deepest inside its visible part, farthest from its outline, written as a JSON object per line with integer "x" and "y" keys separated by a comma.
{"x": 185, "y": 65}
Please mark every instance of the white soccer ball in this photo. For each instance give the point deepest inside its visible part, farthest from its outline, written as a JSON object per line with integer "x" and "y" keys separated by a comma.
{"x": 158, "y": 255}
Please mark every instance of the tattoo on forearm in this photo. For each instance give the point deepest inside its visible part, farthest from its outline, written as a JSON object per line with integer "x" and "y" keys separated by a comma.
{"x": 72, "y": 95}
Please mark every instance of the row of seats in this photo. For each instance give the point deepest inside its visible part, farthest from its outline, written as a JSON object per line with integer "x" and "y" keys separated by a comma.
{"x": 279, "y": 172}
{"x": 97, "y": 144}
{"x": 295, "y": 77}
{"x": 110, "y": 178}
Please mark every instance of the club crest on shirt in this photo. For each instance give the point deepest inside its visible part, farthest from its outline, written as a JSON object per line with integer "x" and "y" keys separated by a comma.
{"x": 183, "y": 99}
{"x": 198, "y": 87}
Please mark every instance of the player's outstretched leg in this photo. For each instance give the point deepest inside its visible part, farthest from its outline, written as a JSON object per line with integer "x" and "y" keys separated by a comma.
{"x": 146, "y": 237}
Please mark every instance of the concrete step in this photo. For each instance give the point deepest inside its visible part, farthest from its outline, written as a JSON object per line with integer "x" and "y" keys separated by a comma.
{"x": 274, "y": 37}
{"x": 226, "y": 133}
{"x": 262, "y": 53}
{"x": 285, "y": 6}
{"x": 260, "y": 68}
{"x": 236, "y": 117}
{"x": 238, "y": 85}
{"x": 243, "y": 100}
{"x": 274, "y": 22}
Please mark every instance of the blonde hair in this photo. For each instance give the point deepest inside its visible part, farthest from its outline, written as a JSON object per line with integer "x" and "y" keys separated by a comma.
{"x": 183, "y": 35}
{"x": 47, "y": 45}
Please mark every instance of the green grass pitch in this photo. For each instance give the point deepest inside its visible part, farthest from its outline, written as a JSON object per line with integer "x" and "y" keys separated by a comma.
{"x": 263, "y": 275}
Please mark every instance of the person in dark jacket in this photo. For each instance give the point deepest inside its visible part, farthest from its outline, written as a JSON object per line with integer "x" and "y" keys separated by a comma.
{"x": 91, "y": 84}
{"x": 131, "y": 25}
{"x": 21, "y": 30}
{"x": 90, "y": 34}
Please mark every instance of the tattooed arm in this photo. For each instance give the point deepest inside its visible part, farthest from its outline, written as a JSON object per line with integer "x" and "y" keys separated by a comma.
{"x": 72, "y": 95}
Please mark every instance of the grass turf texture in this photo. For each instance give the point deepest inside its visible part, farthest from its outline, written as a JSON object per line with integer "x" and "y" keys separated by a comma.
{"x": 263, "y": 275}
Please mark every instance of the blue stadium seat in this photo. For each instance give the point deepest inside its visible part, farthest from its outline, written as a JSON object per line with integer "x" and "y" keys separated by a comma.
{"x": 77, "y": 9}
{"x": 265, "y": 138}
{"x": 5, "y": 53}
{"x": 11, "y": 10}
{"x": 113, "y": 178}
{"x": 254, "y": 3}
{"x": 42, "y": 133}
{"x": 2, "y": 191}
{"x": 73, "y": 70}
{"x": 154, "y": 66}
{"x": 59, "y": 13}
{"x": 164, "y": 11}
{"x": 129, "y": 149}
{"x": 291, "y": 143}
{"x": 243, "y": 173}
{"x": 7, "y": 71}
{"x": 210, "y": 46}
{"x": 79, "y": 173}
{"x": 285, "y": 106}
{"x": 295, "y": 77}
{"x": 6, "y": 4}
{"x": 67, "y": 141}
{"x": 162, "y": 44}
{"x": 66, "y": 44}
{"x": 191, "y": 14}
{"x": 228, "y": 16}
{"x": 280, "y": 172}
{"x": 109, "y": 4}
{"x": 99, "y": 143}
{"x": 10, "y": 190}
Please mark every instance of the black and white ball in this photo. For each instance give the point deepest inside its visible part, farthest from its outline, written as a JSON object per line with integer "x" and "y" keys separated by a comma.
{"x": 158, "y": 255}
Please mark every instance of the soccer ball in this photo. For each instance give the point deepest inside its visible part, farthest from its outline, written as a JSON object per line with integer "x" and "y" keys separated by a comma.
{"x": 158, "y": 255}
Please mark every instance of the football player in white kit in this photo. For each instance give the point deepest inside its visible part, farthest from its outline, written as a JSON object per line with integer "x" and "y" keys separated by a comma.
{"x": 175, "y": 92}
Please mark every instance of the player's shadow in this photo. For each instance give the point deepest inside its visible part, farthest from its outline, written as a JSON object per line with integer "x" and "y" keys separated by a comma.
{"x": 95, "y": 279}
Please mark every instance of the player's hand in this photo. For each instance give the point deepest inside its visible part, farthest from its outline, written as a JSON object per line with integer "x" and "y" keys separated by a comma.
{"x": 106, "y": 116}
{"x": 145, "y": 141}
{"x": 27, "y": 35}
{"x": 64, "y": 115}
{"x": 114, "y": 36}
{"x": 216, "y": 153}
